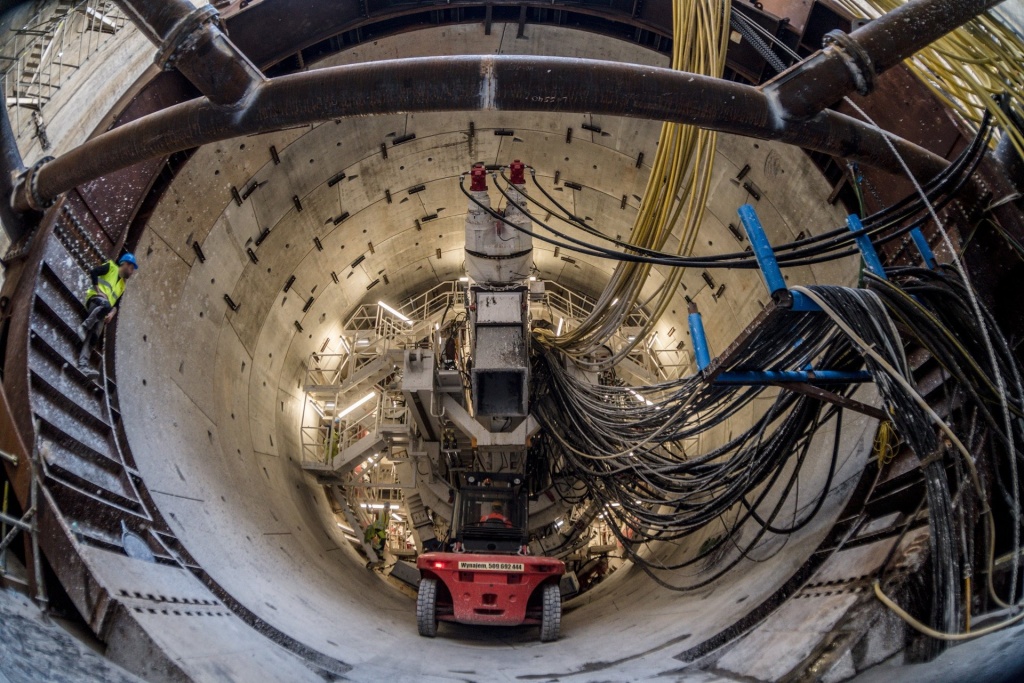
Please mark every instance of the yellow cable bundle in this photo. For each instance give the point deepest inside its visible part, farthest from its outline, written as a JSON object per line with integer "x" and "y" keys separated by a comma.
{"x": 966, "y": 67}
{"x": 676, "y": 192}
{"x": 886, "y": 443}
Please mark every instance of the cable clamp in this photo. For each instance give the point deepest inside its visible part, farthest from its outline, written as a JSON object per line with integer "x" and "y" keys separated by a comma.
{"x": 858, "y": 62}
{"x": 31, "y": 180}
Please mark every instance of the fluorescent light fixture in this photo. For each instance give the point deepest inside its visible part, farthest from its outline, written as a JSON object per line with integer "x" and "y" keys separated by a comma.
{"x": 395, "y": 312}
{"x": 358, "y": 403}
{"x": 372, "y": 506}
{"x": 437, "y": 326}
{"x": 396, "y": 517}
{"x": 533, "y": 278}
{"x": 362, "y": 342}
{"x": 329, "y": 404}
{"x": 615, "y": 301}
{"x": 558, "y": 332}
{"x": 464, "y": 279}
{"x": 559, "y": 523}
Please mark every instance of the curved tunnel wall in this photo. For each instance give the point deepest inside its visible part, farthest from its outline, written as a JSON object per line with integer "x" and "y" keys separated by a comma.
{"x": 211, "y": 398}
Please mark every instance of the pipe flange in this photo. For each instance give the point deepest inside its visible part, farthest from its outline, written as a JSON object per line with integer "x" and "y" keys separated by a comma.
{"x": 185, "y": 35}
{"x": 855, "y": 57}
{"x": 32, "y": 197}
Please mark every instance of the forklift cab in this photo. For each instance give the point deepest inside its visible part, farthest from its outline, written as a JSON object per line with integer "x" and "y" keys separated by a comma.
{"x": 490, "y": 514}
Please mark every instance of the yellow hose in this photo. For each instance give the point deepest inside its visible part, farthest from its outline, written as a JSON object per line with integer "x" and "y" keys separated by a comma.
{"x": 675, "y": 196}
{"x": 932, "y": 633}
{"x": 966, "y": 67}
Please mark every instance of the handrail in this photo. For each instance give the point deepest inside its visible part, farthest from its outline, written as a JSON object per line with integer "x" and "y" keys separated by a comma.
{"x": 31, "y": 81}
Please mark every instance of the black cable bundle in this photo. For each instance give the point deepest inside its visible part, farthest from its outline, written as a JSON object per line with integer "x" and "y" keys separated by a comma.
{"x": 627, "y": 444}
{"x": 882, "y": 227}
{"x": 933, "y": 310}
{"x": 864, "y": 312}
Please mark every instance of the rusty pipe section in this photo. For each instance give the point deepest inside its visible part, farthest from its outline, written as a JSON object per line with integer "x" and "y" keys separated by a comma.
{"x": 471, "y": 83}
{"x": 850, "y": 62}
{"x": 16, "y": 223}
{"x": 190, "y": 39}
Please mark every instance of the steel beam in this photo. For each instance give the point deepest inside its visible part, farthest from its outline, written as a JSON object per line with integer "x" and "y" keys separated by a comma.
{"x": 472, "y": 83}
{"x": 850, "y": 62}
{"x": 835, "y": 399}
{"x": 190, "y": 40}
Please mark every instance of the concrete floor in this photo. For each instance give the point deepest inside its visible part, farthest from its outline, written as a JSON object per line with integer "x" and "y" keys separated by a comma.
{"x": 34, "y": 648}
{"x": 997, "y": 658}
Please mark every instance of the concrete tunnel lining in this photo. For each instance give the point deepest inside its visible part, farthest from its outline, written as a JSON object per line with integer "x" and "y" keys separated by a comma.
{"x": 214, "y": 428}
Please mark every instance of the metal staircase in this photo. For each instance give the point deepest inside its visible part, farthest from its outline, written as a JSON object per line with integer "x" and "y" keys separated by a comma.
{"x": 78, "y": 423}
{"x": 60, "y": 38}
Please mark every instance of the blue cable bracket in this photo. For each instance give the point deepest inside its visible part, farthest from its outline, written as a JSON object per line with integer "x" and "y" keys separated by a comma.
{"x": 867, "y": 249}
{"x": 780, "y": 293}
{"x": 922, "y": 246}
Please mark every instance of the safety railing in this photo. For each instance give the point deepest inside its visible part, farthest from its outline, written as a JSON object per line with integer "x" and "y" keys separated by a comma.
{"x": 43, "y": 54}
{"x": 645, "y": 362}
{"x": 332, "y": 427}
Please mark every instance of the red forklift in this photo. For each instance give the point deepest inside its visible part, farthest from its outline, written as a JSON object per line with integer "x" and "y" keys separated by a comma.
{"x": 488, "y": 577}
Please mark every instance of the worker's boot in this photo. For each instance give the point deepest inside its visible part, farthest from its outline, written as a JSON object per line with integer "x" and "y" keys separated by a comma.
{"x": 83, "y": 361}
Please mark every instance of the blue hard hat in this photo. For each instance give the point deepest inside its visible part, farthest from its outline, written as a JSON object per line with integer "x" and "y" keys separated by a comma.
{"x": 128, "y": 258}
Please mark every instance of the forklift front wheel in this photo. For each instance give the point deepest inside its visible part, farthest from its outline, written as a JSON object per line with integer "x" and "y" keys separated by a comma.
{"x": 426, "y": 608}
{"x": 551, "y": 615}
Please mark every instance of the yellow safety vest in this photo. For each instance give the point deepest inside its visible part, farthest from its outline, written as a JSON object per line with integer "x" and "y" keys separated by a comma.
{"x": 110, "y": 285}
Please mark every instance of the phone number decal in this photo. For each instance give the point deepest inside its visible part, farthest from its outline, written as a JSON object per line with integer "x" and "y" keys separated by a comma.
{"x": 492, "y": 566}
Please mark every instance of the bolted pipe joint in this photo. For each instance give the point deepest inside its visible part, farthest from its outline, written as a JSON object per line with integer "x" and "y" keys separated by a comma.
{"x": 190, "y": 40}
{"x": 855, "y": 58}
{"x": 849, "y": 63}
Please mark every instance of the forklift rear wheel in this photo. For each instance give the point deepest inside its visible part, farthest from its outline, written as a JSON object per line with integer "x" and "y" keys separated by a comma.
{"x": 551, "y": 616}
{"x": 426, "y": 608}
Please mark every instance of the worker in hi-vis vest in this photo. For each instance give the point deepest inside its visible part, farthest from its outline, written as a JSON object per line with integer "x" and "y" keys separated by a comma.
{"x": 108, "y": 283}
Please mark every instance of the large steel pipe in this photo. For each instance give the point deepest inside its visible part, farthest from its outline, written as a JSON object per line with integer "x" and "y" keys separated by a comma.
{"x": 470, "y": 83}
{"x": 850, "y": 62}
{"x": 14, "y": 223}
{"x": 189, "y": 39}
